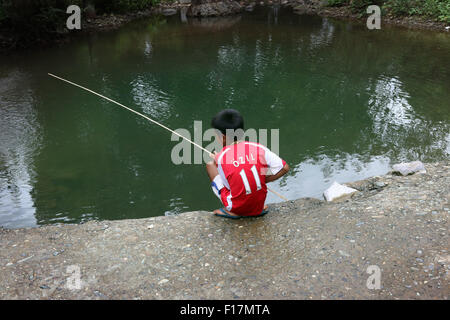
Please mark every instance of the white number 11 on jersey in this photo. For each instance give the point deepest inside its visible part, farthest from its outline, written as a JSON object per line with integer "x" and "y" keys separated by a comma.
{"x": 245, "y": 180}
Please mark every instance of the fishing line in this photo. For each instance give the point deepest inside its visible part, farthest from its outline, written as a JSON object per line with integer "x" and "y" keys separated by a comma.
{"x": 149, "y": 119}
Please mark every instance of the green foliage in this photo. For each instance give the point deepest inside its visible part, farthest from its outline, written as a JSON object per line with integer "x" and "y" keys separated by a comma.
{"x": 402, "y": 7}
{"x": 360, "y": 6}
{"x": 337, "y": 3}
{"x": 444, "y": 12}
{"x": 439, "y": 9}
{"x": 436, "y": 9}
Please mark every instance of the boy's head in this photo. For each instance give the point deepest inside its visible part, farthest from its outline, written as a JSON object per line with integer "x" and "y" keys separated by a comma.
{"x": 228, "y": 122}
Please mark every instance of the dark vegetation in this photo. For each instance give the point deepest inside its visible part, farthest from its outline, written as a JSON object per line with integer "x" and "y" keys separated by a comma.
{"x": 23, "y": 22}
{"x": 438, "y": 10}
{"x": 26, "y": 22}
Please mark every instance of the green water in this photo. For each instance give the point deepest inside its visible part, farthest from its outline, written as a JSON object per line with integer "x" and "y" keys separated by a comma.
{"x": 348, "y": 103}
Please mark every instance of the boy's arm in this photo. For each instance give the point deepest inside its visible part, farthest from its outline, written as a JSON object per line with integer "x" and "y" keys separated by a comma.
{"x": 278, "y": 175}
{"x": 276, "y": 165}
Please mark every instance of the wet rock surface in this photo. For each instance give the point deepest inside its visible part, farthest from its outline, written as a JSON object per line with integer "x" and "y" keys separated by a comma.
{"x": 338, "y": 191}
{"x": 303, "y": 249}
{"x": 210, "y": 8}
{"x": 320, "y": 7}
{"x": 409, "y": 168}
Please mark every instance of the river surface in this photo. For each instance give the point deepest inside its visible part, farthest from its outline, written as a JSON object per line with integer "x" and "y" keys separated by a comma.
{"x": 348, "y": 103}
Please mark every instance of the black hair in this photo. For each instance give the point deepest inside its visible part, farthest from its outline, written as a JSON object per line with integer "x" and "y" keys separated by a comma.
{"x": 227, "y": 119}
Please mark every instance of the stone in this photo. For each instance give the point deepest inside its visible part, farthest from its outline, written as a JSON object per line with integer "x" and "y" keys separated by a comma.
{"x": 379, "y": 185}
{"x": 250, "y": 7}
{"x": 299, "y": 9}
{"x": 168, "y": 12}
{"x": 407, "y": 168}
{"x": 343, "y": 253}
{"x": 218, "y": 8}
{"x": 338, "y": 191}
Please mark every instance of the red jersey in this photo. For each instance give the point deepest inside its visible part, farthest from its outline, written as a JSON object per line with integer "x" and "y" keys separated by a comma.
{"x": 243, "y": 167}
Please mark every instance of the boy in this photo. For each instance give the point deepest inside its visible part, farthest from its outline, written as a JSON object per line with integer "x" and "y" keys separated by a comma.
{"x": 240, "y": 171}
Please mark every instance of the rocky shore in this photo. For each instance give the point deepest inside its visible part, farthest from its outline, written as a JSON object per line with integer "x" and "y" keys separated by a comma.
{"x": 204, "y": 8}
{"x": 303, "y": 249}
{"x": 213, "y": 8}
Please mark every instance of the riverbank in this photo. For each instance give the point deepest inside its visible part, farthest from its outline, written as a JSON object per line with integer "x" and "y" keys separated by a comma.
{"x": 311, "y": 7}
{"x": 11, "y": 41}
{"x": 303, "y": 249}
{"x": 345, "y": 12}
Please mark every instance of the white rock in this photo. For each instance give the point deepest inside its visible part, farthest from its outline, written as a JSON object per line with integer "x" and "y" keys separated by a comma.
{"x": 163, "y": 281}
{"x": 336, "y": 191}
{"x": 343, "y": 253}
{"x": 169, "y": 12}
{"x": 406, "y": 168}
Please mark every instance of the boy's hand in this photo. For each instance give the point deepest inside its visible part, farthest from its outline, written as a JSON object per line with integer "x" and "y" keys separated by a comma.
{"x": 212, "y": 155}
{"x": 281, "y": 173}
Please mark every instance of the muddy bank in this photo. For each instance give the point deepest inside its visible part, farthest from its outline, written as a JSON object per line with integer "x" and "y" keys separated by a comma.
{"x": 303, "y": 249}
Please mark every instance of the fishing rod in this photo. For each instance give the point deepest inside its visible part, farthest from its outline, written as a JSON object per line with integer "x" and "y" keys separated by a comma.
{"x": 149, "y": 119}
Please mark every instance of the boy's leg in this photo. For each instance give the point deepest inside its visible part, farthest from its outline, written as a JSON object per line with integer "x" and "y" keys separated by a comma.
{"x": 215, "y": 179}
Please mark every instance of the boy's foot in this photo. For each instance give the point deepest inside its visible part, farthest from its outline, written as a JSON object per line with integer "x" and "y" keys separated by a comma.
{"x": 227, "y": 214}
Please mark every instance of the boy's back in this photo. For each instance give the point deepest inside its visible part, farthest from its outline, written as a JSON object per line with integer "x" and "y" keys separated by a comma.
{"x": 243, "y": 167}
{"x": 239, "y": 173}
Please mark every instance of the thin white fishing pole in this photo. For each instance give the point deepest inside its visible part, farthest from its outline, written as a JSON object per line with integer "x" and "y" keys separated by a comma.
{"x": 149, "y": 119}
{"x": 138, "y": 113}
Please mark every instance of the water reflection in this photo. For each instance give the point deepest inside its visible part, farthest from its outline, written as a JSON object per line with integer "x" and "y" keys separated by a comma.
{"x": 19, "y": 141}
{"x": 314, "y": 175}
{"x": 388, "y": 106}
{"x": 324, "y": 36}
{"x": 347, "y": 104}
{"x": 399, "y": 127}
{"x": 176, "y": 206}
{"x": 152, "y": 101}
{"x": 260, "y": 62}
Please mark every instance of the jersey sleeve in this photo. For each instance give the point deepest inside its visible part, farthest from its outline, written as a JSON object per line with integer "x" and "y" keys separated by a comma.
{"x": 274, "y": 162}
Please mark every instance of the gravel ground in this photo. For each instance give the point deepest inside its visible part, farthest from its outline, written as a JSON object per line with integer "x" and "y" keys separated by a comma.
{"x": 303, "y": 249}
